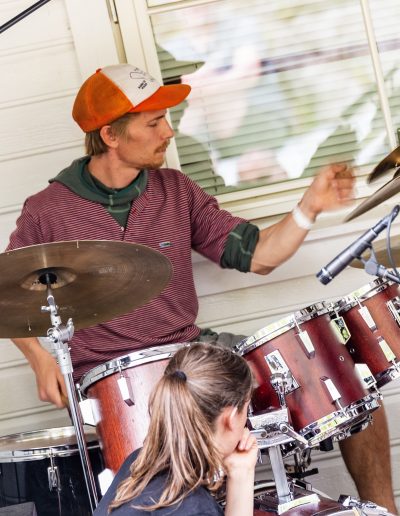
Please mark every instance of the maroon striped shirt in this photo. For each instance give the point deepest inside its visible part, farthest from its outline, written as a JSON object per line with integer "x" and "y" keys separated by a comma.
{"x": 172, "y": 209}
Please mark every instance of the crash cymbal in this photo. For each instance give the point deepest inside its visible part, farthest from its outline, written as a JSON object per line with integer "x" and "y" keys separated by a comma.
{"x": 385, "y": 192}
{"x": 381, "y": 253}
{"x": 391, "y": 161}
{"x": 92, "y": 282}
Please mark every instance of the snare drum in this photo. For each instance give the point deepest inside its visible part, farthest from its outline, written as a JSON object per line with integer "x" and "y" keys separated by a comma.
{"x": 323, "y": 392}
{"x": 119, "y": 391}
{"x": 372, "y": 315}
{"x": 44, "y": 467}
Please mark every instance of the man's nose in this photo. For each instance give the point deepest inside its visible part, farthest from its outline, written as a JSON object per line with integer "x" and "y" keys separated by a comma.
{"x": 168, "y": 131}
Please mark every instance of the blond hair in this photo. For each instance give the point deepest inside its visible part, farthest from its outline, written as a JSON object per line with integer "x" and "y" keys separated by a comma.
{"x": 94, "y": 143}
{"x": 198, "y": 383}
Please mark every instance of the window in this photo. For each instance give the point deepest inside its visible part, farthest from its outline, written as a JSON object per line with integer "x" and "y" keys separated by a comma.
{"x": 280, "y": 88}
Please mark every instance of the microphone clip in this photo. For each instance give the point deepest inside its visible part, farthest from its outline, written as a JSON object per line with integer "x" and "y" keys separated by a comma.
{"x": 372, "y": 267}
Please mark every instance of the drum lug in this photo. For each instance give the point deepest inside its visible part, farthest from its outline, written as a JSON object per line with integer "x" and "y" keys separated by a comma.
{"x": 386, "y": 350}
{"x": 126, "y": 391}
{"x": 306, "y": 341}
{"x": 89, "y": 411}
{"x": 53, "y": 476}
{"x": 367, "y": 317}
{"x": 366, "y": 376}
{"x": 332, "y": 390}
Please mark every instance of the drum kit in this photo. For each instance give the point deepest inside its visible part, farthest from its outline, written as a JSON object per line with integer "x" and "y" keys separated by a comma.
{"x": 318, "y": 373}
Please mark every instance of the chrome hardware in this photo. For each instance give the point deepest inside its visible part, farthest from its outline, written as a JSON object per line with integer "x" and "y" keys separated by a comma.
{"x": 365, "y": 375}
{"x": 386, "y": 349}
{"x": 277, "y": 365}
{"x": 394, "y": 308}
{"x": 125, "y": 389}
{"x": 332, "y": 390}
{"x": 364, "y": 505}
{"x": 53, "y": 476}
{"x": 305, "y": 339}
{"x": 269, "y": 421}
{"x": 366, "y": 315}
{"x": 288, "y": 430}
{"x": 279, "y": 385}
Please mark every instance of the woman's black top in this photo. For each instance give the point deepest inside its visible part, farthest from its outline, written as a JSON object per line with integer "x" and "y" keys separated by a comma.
{"x": 199, "y": 502}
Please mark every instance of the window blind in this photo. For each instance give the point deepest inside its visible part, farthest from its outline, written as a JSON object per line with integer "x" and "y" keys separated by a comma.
{"x": 279, "y": 88}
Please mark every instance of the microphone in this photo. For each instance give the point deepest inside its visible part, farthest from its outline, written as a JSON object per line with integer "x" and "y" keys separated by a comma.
{"x": 354, "y": 250}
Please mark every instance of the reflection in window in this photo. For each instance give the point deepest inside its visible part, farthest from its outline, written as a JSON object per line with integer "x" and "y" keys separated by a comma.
{"x": 279, "y": 88}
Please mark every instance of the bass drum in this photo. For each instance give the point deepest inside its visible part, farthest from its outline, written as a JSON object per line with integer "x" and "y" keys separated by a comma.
{"x": 119, "y": 391}
{"x": 44, "y": 467}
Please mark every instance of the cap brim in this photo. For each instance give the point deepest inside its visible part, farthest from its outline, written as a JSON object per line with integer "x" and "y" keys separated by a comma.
{"x": 165, "y": 97}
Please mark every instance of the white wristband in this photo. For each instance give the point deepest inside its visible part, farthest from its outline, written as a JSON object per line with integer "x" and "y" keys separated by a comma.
{"x": 301, "y": 219}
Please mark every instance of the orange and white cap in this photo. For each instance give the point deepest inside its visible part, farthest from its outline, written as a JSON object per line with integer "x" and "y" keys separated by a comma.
{"x": 115, "y": 90}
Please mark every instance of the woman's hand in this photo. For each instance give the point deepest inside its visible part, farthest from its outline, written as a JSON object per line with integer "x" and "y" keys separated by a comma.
{"x": 239, "y": 467}
{"x": 244, "y": 458}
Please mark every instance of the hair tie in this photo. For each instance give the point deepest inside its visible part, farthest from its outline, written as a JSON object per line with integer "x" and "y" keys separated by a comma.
{"x": 180, "y": 374}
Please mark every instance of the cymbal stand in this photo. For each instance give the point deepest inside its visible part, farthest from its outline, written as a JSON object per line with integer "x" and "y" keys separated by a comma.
{"x": 60, "y": 334}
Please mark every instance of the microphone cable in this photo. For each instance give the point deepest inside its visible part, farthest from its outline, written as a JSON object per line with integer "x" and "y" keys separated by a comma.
{"x": 388, "y": 246}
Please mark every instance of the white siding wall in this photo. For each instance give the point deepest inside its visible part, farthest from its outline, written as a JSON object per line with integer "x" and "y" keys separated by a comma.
{"x": 42, "y": 62}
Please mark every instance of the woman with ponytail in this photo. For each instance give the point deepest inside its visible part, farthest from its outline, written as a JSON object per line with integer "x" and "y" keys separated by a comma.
{"x": 196, "y": 440}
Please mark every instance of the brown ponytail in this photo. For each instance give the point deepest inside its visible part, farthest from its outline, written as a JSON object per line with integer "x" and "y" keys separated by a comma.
{"x": 198, "y": 383}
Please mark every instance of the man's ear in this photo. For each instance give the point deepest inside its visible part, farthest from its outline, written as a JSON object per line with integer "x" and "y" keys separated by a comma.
{"x": 108, "y": 136}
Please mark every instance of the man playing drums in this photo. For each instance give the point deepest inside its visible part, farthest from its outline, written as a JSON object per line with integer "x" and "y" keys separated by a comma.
{"x": 119, "y": 192}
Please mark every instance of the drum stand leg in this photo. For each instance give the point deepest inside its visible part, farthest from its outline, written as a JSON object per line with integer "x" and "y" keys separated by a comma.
{"x": 278, "y": 470}
{"x": 60, "y": 335}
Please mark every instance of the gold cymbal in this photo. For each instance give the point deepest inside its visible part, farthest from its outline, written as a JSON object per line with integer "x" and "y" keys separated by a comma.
{"x": 391, "y": 161}
{"x": 385, "y": 192}
{"x": 381, "y": 253}
{"x": 93, "y": 281}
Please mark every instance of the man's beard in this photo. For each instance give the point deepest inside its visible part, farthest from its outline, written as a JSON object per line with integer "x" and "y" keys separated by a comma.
{"x": 156, "y": 163}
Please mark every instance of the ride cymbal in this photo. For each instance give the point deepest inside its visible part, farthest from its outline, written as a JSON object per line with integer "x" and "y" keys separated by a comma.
{"x": 392, "y": 160}
{"x": 385, "y": 192}
{"x": 92, "y": 281}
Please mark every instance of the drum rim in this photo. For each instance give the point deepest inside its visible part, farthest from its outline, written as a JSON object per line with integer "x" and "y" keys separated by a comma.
{"x": 43, "y": 452}
{"x": 351, "y": 300}
{"x": 134, "y": 359}
{"x": 277, "y": 328}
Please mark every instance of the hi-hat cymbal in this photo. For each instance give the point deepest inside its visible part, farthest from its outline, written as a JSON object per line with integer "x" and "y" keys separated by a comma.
{"x": 381, "y": 253}
{"x": 391, "y": 161}
{"x": 385, "y": 192}
{"x": 93, "y": 281}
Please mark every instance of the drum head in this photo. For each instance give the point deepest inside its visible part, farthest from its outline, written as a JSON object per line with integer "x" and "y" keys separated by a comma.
{"x": 39, "y": 444}
{"x": 280, "y": 327}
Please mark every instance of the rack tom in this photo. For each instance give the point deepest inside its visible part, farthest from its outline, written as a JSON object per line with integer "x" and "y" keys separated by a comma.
{"x": 372, "y": 315}
{"x": 323, "y": 392}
